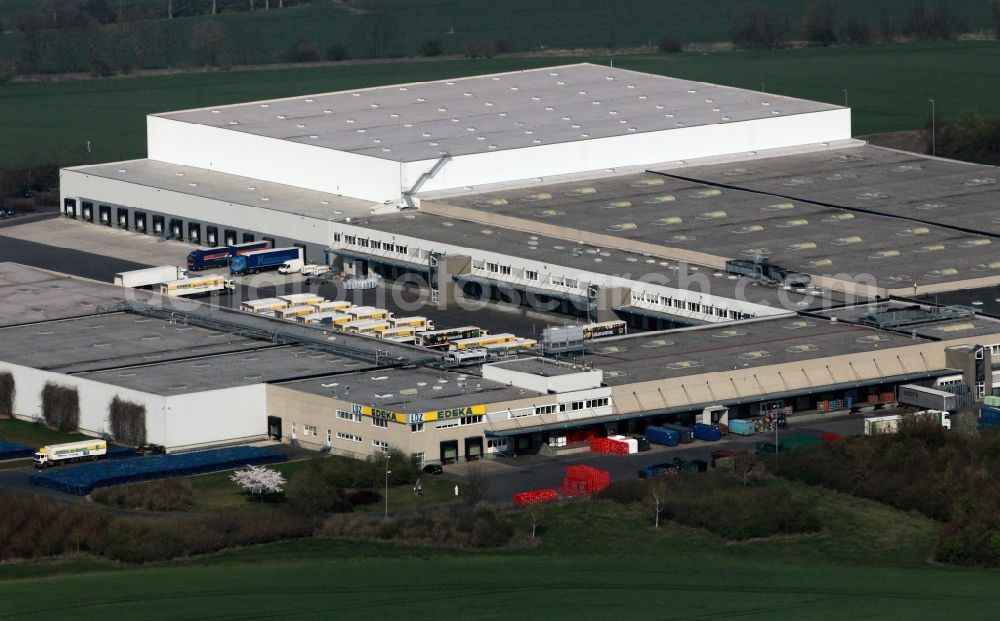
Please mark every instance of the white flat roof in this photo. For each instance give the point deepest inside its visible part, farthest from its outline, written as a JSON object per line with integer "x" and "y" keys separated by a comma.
{"x": 421, "y": 121}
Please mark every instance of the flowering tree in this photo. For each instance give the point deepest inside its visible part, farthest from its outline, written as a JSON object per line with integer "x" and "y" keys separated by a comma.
{"x": 258, "y": 480}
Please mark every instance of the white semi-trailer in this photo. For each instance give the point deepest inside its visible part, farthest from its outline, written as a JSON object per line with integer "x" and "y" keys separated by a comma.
{"x": 56, "y": 454}
{"x": 199, "y": 285}
{"x": 150, "y": 276}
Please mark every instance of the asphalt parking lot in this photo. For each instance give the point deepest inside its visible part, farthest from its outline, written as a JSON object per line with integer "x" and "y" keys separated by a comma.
{"x": 509, "y": 475}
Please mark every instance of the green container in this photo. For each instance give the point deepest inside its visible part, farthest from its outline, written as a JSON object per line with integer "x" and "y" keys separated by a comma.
{"x": 990, "y": 400}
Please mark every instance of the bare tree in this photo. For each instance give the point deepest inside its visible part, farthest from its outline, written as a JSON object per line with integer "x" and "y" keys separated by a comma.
{"x": 533, "y": 513}
{"x": 659, "y": 491}
{"x": 477, "y": 484}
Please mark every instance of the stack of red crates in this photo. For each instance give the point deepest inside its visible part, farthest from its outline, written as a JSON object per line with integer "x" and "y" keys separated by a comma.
{"x": 607, "y": 445}
{"x": 583, "y": 480}
{"x": 538, "y": 495}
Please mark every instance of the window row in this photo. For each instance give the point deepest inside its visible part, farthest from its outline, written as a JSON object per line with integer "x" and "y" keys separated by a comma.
{"x": 460, "y": 422}
{"x": 374, "y": 244}
{"x": 348, "y": 436}
{"x": 351, "y": 416}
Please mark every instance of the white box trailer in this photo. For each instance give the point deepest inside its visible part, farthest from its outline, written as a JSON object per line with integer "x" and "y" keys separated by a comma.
{"x": 150, "y": 276}
{"x": 56, "y": 454}
{"x": 930, "y": 398}
{"x": 199, "y": 285}
{"x": 890, "y": 424}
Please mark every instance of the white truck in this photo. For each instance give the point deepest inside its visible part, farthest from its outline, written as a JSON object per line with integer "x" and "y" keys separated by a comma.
{"x": 151, "y": 276}
{"x": 199, "y": 285}
{"x": 877, "y": 425}
{"x": 291, "y": 266}
{"x": 56, "y": 454}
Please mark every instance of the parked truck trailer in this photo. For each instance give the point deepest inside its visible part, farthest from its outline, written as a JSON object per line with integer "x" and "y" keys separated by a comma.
{"x": 262, "y": 260}
{"x": 150, "y": 277}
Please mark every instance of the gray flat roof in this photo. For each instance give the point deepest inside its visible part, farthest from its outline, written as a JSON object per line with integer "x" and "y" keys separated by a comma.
{"x": 735, "y": 223}
{"x": 545, "y": 367}
{"x": 878, "y": 180}
{"x": 420, "y": 121}
{"x": 943, "y": 327}
{"x": 758, "y": 343}
{"x": 411, "y": 390}
{"x": 230, "y": 188}
{"x": 587, "y": 258}
{"x": 29, "y": 294}
{"x": 985, "y": 299}
{"x": 243, "y": 368}
{"x": 109, "y": 340}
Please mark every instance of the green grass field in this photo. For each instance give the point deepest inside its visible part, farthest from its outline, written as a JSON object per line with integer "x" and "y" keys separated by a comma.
{"x": 596, "y": 560}
{"x": 888, "y": 88}
{"x": 32, "y": 434}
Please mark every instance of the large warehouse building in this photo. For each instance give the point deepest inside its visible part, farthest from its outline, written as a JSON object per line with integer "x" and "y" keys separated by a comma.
{"x": 204, "y": 376}
{"x": 738, "y": 220}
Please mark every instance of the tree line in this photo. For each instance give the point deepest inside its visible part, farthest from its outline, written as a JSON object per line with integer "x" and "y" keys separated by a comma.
{"x": 762, "y": 26}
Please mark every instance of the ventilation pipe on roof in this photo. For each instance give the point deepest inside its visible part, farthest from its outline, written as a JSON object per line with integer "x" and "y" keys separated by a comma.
{"x": 438, "y": 165}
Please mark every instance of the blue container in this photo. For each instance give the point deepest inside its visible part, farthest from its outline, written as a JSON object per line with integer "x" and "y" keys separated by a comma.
{"x": 13, "y": 450}
{"x": 659, "y": 435}
{"x": 685, "y": 435}
{"x": 742, "y": 427}
{"x": 989, "y": 417}
{"x": 707, "y": 433}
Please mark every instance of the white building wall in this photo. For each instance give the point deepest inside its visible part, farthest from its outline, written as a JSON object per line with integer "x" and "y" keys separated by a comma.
{"x": 279, "y": 161}
{"x": 95, "y": 397}
{"x": 75, "y": 183}
{"x": 215, "y": 416}
{"x": 549, "y": 272}
{"x": 638, "y": 149}
{"x": 181, "y": 421}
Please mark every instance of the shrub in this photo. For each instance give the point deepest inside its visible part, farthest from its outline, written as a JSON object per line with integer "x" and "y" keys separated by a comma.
{"x": 302, "y": 52}
{"x": 722, "y": 505}
{"x": 362, "y": 497}
{"x": 337, "y": 51}
{"x": 506, "y": 46}
{"x": 431, "y": 47}
{"x": 627, "y": 492}
{"x": 669, "y": 44}
{"x": 61, "y": 407}
{"x": 127, "y": 421}
{"x": 7, "y": 392}
{"x": 163, "y": 495}
{"x": 454, "y": 526}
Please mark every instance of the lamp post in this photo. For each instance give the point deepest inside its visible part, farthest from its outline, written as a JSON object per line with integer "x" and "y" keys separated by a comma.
{"x": 387, "y": 473}
{"x": 933, "y": 129}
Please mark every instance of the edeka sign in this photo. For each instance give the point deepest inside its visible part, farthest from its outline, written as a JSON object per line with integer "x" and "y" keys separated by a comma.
{"x": 421, "y": 417}
{"x": 447, "y": 413}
